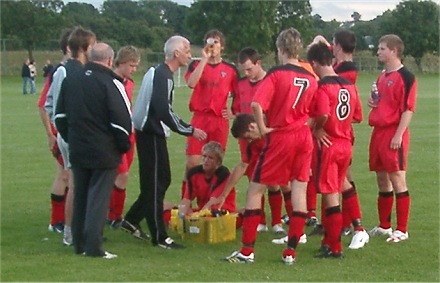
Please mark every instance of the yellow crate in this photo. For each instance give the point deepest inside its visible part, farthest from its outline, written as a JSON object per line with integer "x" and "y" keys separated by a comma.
{"x": 208, "y": 230}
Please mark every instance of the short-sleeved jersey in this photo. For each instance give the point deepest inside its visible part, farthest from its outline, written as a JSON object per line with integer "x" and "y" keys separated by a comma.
{"x": 285, "y": 95}
{"x": 250, "y": 151}
{"x": 397, "y": 94}
{"x": 129, "y": 86}
{"x": 217, "y": 82}
{"x": 244, "y": 95}
{"x": 202, "y": 189}
{"x": 347, "y": 70}
{"x": 338, "y": 98}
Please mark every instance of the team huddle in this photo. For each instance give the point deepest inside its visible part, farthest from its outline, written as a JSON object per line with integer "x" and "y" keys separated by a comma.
{"x": 293, "y": 124}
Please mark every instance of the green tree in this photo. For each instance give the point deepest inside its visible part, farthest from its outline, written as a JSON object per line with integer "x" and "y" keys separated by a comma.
{"x": 244, "y": 23}
{"x": 417, "y": 23}
{"x": 248, "y": 23}
{"x": 30, "y": 21}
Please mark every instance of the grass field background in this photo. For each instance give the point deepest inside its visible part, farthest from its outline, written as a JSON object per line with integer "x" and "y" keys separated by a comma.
{"x": 29, "y": 252}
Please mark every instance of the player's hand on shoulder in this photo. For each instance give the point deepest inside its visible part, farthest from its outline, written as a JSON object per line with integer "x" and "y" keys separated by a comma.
{"x": 199, "y": 134}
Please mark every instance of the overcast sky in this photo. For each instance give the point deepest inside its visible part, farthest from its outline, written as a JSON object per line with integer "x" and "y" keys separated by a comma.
{"x": 340, "y": 10}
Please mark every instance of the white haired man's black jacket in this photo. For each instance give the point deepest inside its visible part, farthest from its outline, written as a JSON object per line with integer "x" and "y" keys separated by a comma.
{"x": 93, "y": 116}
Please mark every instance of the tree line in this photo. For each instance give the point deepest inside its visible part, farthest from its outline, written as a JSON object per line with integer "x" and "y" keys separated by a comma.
{"x": 147, "y": 24}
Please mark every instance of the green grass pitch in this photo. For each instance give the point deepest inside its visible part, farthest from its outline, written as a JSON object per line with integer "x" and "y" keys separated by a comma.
{"x": 29, "y": 252}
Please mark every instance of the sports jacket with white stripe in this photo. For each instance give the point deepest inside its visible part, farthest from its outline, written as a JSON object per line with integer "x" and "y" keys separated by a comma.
{"x": 153, "y": 111}
{"x": 93, "y": 116}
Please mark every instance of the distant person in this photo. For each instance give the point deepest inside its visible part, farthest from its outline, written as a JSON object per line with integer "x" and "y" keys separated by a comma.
{"x": 33, "y": 74}
{"x": 390, "y": 116}
{"x": 126, "y": 63}
{"x": 26, "y": 75}
{"x": 93, "y": 116}
{"x": 153, "y": 118}
{"x": 47, "y": 69}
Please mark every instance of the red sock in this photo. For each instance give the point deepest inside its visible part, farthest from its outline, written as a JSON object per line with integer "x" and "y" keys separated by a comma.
{"x": 119, "y": 195}
{"x": 57, "y": 214}
{"x": 263, "y": 213}
{"x": 403, "y": 202}
{"x": 311, "y": 196}
{"x": 288, "y": 202}
{"x": 384, "y": 207}
{"x": 350, "y": 207}
{"x": 251, "y": 217}
{"x": 275, "y": 203}
{"x": 333, "y": 227}
{"x": 296, "y": 228}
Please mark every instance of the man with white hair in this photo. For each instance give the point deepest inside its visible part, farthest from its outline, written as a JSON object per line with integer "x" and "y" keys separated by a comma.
{"x": 153, "y": 118}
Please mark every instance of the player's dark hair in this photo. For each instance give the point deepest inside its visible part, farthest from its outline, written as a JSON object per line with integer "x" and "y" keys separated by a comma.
{"x": 248, "y": 53}
{"x": 346, "y": 39}
{"x": 241, "y": 124}
{"x": 320, "y": 53}
{"x": 79, "y": 40}
{"x": 64, "y": 38}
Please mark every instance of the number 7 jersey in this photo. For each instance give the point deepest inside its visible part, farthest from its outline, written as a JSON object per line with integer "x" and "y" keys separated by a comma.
{"x": 285, "y": 95}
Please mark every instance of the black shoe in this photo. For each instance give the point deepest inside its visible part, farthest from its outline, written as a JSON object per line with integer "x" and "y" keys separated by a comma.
{"x": 135, "y": 230}
{"x": 318, "y": 230}
{"x": 169, "y": 243}
{"x": 346, "y": 231}
{"x": 326, "y": 252}
{"x": 312, "y": 221}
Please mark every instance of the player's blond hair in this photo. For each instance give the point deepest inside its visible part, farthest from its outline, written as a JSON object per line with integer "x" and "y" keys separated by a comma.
{"x": 127, "y": 53}
{"x": 215, "y": 148}
{"x": 289, "y": 40}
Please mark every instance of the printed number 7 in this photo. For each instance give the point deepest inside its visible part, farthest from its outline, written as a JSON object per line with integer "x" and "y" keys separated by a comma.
{"x": 303, "y": 85}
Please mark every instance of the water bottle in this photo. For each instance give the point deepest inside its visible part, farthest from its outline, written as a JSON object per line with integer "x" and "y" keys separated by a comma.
{"x": 374, "y": 93}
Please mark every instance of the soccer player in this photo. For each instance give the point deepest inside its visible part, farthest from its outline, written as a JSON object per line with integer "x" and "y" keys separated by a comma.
{"x": 250, "y": 63}
{"x": 285, "y": 96}
{"x": 126, "y": 62}
{"x": 59, "y": 186}
{"x": 344, "y": 44}
{"x": 205, "y": 182}
{"x": 390, "y": 117}
{"x": 336, "y": 106}
{"x": 213, "y": 80}
{"x": 80, "y": 42}
{"x": 153, "y": 118}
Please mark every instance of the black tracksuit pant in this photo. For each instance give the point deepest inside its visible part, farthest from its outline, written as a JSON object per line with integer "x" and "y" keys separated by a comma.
{"x": 155, "y": 178}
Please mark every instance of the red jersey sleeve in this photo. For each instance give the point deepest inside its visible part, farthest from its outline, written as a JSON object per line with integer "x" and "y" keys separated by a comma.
{"x": 44, "y": 91}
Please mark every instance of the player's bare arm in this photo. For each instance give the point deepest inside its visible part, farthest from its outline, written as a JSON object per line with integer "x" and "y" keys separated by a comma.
{"x": 405, "y": 119}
